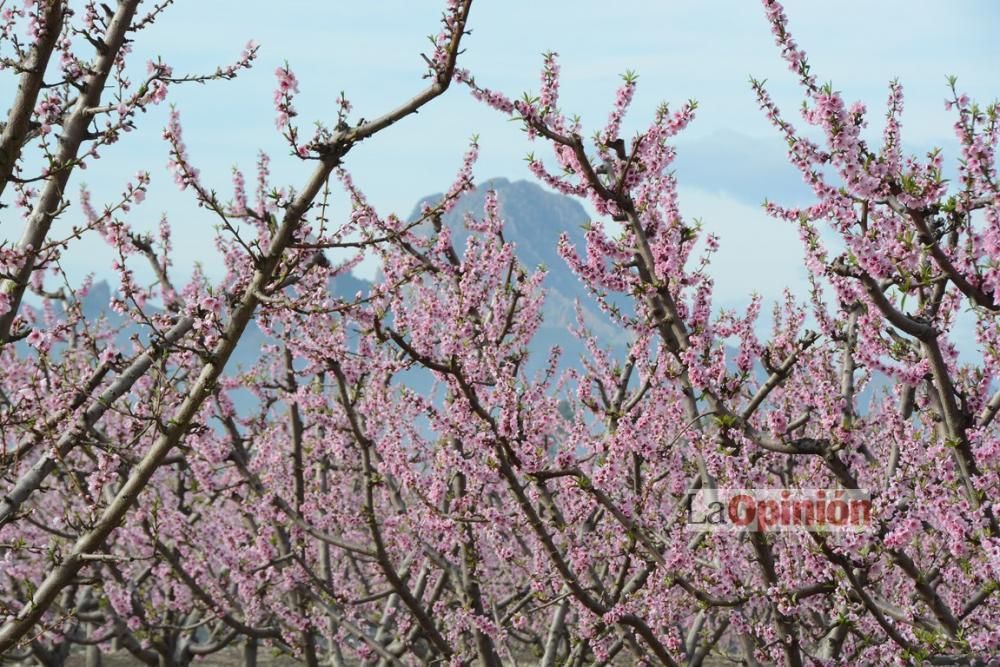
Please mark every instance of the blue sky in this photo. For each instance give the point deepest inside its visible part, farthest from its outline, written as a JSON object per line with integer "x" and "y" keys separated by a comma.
{"x": 729, "y": 160}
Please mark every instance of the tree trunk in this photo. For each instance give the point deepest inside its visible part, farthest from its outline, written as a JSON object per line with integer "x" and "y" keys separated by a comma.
{"x": 93, "y": 657}
{"x": 250, "y": 652}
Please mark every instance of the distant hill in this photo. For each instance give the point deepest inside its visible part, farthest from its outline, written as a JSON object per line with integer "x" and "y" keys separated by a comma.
{"x": 534, "y": 218}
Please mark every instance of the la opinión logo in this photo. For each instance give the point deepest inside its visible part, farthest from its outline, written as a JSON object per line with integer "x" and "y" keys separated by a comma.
{"x": 826, "y": 510}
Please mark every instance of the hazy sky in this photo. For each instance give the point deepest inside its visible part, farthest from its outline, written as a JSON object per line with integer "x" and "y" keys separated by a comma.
{"x": 730, "y": 159}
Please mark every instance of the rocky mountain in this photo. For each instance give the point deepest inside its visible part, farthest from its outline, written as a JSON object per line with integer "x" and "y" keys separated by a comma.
{"x": 534, "y": 218}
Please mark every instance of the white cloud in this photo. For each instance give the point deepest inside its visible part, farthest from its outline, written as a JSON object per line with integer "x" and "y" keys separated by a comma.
{"x": 756, "y": 252}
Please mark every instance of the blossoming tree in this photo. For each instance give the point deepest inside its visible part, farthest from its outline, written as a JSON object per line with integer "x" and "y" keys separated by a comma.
{"x": 76, "y": 456}
{"x": 505, "y": 516}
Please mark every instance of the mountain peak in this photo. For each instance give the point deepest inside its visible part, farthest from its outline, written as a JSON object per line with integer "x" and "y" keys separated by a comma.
{"x": 533, "y": 217}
